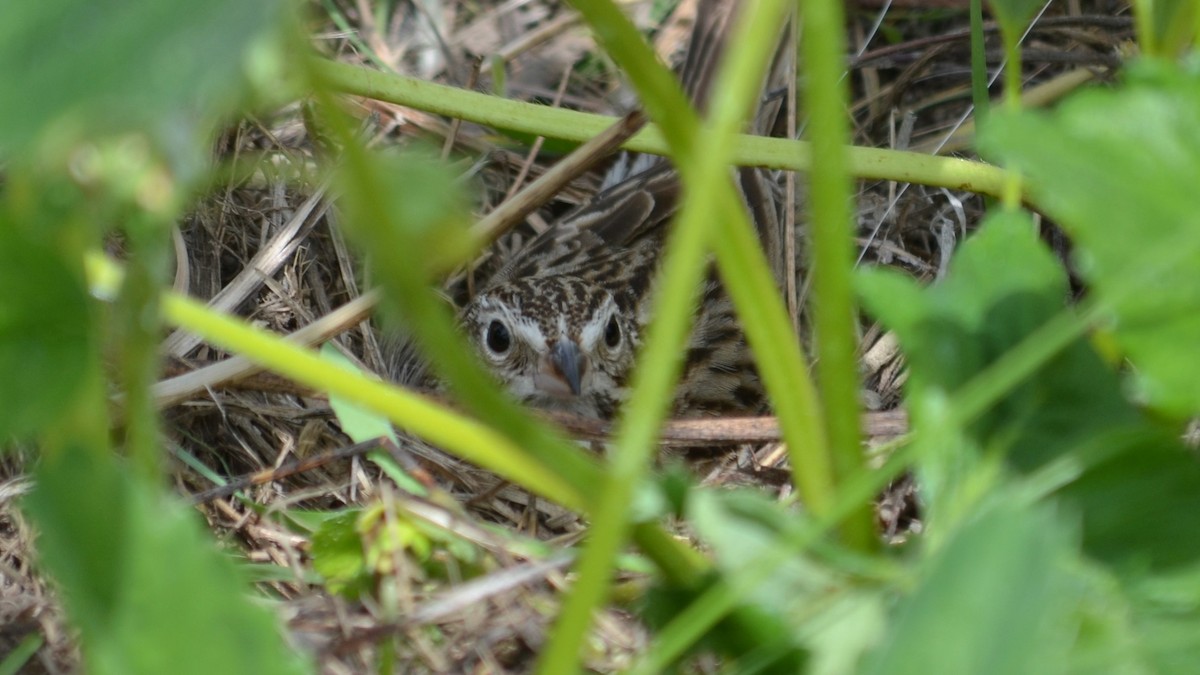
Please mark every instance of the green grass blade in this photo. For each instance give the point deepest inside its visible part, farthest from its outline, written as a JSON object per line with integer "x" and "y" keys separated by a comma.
{"x": 979, "y": 76}
{"x": 465, "y": 437}
{"x": 658, "y": 365}
{"x": 823, "y": 42}
{"x": 703, "y": 166}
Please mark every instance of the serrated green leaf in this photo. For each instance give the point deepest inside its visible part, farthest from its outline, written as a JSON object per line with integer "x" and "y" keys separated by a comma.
{"x": 1119, "y": 170}
{"x": 1136, "y": 491}
{"x": 1002, "y": 285}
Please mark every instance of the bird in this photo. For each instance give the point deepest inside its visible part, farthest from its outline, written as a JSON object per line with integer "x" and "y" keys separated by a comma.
{"x": 560, "y": 323}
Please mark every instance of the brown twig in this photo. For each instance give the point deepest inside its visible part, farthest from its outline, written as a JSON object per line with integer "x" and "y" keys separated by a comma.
{"x": 724, "y": 430}
{"x": 537, "y": 193}
{"x": 877, "y": 56}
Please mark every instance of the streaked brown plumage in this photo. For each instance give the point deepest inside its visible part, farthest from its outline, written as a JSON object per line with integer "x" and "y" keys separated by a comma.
{"x": 561, "y": 322}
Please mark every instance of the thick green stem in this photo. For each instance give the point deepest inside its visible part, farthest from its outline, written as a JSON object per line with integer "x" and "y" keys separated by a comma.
{"x": 528, "y": 118}
{"x": 136, "y": 329}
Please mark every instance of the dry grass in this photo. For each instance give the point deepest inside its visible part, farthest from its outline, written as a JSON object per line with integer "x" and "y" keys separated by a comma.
{"x": 911, "y": 93}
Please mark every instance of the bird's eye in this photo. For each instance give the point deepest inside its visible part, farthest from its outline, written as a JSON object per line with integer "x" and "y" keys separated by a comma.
{"x": 497, "y": 337}
{"x": 612, "y": 332}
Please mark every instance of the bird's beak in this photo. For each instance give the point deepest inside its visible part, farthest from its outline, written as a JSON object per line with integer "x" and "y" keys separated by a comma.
{"x": 566, "y": 364}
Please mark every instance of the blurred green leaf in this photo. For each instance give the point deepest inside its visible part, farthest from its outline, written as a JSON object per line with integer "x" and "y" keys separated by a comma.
{"x": 428, "y": 207}
{"x": 790, "y": 613}
{"x": 1167, "y": 613}
{"x": 142, "y": 581}
{"x": 748, "y": 635}
{"x": 1118, "y": 169}
{"x": 995, "y": 599}
{"x": 1136, "y": 489}
{"x": 987, "y": 304}
{"x": 115, "y": 65}
{"x": 794, "y": 611}
{"x": 45, "y": 332}
{"x": 387, "y": 534}
{"x": 1141, "y": 508}
{"x": 745, "y": 529}
{"x": 81, "y": 508}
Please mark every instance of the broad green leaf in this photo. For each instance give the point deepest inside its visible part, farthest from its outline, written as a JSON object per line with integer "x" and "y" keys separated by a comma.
{"x": 337, "y": 550}
{"x": 141, "y": 578}
{"x": 81, "y": 508}
{"x": 756, "y": 639}
{"x": 994, "y": 599}
{"x": 1002, "y": 285}
{"x": 358, "y": 423}
{"x": 114, "y": 65}
{"x": 1118, "y": 169}
{"x": 1141, "y": 508}
{"x": 1136, "y": 490}
{"x": 45, "y": 332}
{"x": 363, "y": 425}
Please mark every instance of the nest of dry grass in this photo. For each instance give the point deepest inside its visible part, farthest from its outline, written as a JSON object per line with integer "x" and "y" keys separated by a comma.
{"x": 269, "y": 249}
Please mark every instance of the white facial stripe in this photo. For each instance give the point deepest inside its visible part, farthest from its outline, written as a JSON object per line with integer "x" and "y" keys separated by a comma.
{"x": 487, "y": 304}
{"x": 593, "y": 331}
{"x": 527, "y": 332}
